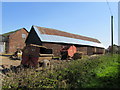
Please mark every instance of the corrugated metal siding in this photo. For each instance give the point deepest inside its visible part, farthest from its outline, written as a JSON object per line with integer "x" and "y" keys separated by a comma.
{"x": 61, "y": 39}
{"x": 2, "y": 47}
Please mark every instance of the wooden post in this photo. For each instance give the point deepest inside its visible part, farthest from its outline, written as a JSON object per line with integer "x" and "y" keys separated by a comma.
{"x": 112, "y": 34}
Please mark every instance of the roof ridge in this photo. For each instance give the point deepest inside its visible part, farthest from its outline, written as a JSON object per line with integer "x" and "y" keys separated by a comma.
{"x": 11, "y": 32}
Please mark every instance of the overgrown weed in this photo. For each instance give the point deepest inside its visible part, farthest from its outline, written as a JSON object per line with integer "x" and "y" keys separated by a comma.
{"x": 95, "y": 72}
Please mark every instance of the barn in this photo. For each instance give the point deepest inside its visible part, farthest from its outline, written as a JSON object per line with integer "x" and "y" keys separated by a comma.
{"x": 55, "y": 40}
{"x": 15, "y": 39}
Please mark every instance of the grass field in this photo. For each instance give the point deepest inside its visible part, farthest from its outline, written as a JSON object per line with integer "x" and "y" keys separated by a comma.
{"x": 95, "y": 72}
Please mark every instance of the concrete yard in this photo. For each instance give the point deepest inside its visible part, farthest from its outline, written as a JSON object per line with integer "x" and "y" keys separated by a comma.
{"x": 5, "y": 60}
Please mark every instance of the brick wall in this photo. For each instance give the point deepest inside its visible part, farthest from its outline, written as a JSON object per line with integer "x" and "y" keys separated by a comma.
{"x": 100, "y": 51}
{"x": 16, "y": 40}
{"x": 57, "y": 47}
{"x": 86, "y": 50}
{"x": 90, "y": 50}
{"x": 82, "y": 49}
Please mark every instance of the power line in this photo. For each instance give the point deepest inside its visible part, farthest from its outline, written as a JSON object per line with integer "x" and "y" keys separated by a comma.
{"x": 109, "y": 8}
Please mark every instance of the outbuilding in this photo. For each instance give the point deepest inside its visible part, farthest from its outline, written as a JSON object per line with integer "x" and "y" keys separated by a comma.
{"x": 14, "y": 40}
{"x": 56, "y": 39}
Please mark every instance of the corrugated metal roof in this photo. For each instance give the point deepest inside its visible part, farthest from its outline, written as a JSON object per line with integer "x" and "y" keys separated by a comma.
{"x": 50, "y": 31}
{"x": 62, "y": 39}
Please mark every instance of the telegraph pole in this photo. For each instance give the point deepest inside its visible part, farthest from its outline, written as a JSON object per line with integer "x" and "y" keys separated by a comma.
{"x": 112, "y": 34}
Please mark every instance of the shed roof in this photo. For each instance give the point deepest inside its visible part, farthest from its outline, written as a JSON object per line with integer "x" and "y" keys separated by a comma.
{"x": 53, "y": 35}
{"x": 8, "y": 33}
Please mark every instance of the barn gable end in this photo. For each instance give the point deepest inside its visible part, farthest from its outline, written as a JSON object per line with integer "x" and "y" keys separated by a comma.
{"x": 33, "y": 38}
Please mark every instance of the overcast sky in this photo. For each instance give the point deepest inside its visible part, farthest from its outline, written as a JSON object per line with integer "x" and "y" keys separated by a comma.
{"x": 90, "y": 19}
